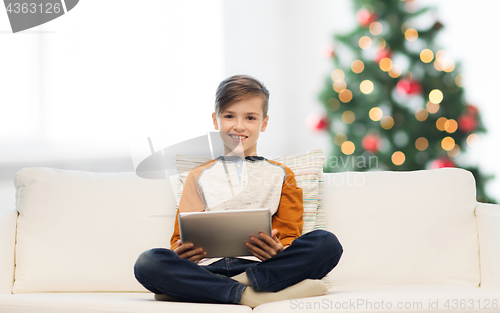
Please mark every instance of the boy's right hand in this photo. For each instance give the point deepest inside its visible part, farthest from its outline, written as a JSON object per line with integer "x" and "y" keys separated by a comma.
{"x": 186, "y": 251}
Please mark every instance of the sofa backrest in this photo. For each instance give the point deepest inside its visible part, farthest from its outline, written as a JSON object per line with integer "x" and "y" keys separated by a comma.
{"x": 81, "y": 231}
{"x": 413, "y": 227}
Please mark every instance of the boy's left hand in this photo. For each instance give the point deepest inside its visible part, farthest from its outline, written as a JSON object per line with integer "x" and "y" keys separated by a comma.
{"x": 266, "y": 247}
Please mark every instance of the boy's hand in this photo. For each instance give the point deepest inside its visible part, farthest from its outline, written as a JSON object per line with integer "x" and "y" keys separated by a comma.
{"x": 187, "y": 252}
{"x": 266, "y": 247}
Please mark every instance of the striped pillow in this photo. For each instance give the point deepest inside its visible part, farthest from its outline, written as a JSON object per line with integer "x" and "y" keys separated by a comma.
{"x": 308, "y": 170}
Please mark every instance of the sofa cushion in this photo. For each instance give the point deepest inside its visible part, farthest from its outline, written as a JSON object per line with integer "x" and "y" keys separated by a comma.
{"x": 81, "y": 231}
{"x": 413, "y": 227}
{"x": 428, "y": 298}
{"x": 106, "y": 302}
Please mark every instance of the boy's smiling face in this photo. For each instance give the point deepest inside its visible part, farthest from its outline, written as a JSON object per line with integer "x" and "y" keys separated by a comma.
{"x": 240, "y": 124}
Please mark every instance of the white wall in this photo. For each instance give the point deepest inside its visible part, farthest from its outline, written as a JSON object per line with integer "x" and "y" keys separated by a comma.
{"x": 85, "y": 83}
{"x": 282, "y": 43}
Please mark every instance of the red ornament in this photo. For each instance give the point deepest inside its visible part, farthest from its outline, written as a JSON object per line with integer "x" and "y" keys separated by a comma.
{"x": 409, "y": 87}
{"x": 467, "y": 123}
{"x": 472, "y": 110}
{"x": 437, "y": 25}
{"x": 371, "y": 143}
{"x": 366, "y": 17}
{"x": 384, "y": 53}
{"x": 329, "y": 53}
{"x": 318, "y": 123}
{"x": 443, "y": 162}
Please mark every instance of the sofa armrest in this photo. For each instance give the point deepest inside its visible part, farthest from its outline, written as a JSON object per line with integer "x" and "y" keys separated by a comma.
{"x": 8, "y": 223}
{"x": 488, "y": 224}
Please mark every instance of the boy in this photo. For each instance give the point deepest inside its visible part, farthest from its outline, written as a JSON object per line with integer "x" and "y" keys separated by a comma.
{"x": 285, "y": 265}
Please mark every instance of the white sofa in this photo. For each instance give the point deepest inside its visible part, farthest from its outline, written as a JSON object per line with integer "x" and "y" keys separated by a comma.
{"x": 413, "y": 242}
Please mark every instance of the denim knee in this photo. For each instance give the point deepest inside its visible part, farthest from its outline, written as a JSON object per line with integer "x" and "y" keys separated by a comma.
{"x": 142, "y": 264}
{"x": 148, "y": 261}
{"x": 325, "y": 242}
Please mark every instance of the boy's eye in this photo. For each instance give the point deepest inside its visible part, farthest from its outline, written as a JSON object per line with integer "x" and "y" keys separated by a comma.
{"x": 251, "y": 117}
{"x": 228, "y": 116}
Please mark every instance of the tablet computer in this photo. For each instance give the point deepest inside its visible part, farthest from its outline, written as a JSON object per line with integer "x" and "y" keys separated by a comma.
{"x": 224, "y": 233}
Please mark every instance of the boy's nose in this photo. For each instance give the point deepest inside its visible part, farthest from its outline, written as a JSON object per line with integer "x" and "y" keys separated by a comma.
{"x": 239, "y": 124}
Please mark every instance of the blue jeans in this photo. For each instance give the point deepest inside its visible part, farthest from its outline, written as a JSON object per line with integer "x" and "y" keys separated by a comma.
{"x": 311, "y": 256}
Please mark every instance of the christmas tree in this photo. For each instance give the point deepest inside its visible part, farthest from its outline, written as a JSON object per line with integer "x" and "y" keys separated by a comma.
{"x": 395, "y": 100}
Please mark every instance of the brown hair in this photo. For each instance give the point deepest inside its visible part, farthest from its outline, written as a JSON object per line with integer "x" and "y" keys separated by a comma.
{"x": 237, "y": 88}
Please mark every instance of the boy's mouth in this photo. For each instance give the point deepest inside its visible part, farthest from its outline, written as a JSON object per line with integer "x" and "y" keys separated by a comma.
{"x": 238, "y": 138}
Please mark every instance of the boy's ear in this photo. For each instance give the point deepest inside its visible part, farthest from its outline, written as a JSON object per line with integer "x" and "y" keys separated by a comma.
{"x": 214, "y": 119}
{"x": 264, "y": 124}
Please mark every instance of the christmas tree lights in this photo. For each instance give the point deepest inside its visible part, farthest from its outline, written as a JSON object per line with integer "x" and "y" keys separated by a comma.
{"x": 395, "y": 94}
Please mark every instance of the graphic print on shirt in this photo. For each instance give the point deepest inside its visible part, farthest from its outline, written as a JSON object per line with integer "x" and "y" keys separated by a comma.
{"x": 264, "y": 181}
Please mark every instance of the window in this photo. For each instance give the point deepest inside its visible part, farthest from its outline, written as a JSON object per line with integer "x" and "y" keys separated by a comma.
{"x": 81, "y": 85}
